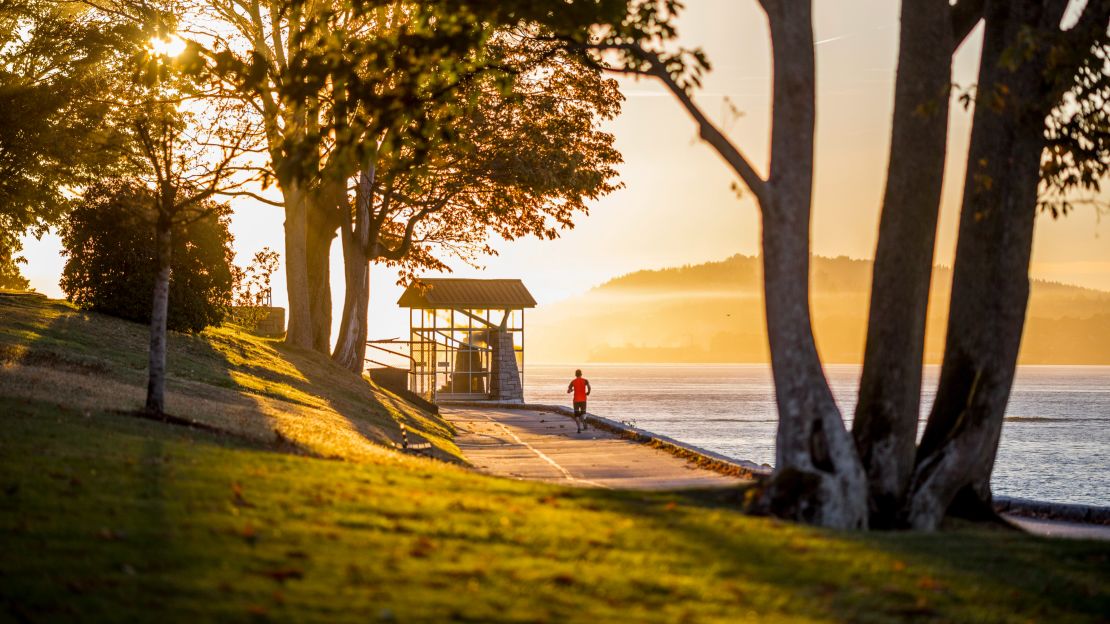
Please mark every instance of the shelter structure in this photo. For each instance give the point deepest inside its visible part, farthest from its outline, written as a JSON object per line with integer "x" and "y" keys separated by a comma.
{"x": 466, "y": 338}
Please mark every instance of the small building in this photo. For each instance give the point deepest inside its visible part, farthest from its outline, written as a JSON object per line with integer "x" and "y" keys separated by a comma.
{"x": 466, "y": 338}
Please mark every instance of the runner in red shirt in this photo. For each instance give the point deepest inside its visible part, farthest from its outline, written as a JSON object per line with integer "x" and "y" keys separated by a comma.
{"x": 580, "y": 386}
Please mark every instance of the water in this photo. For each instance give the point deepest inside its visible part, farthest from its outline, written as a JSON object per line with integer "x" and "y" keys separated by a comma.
{"x": 1055, "y": 441}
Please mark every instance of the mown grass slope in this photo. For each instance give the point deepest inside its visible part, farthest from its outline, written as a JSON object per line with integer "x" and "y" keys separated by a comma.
{"x": 223, "y": 377}
{"x": 106, "y": 517}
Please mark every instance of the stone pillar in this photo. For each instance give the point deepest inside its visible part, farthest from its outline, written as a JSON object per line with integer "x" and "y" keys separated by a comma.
{"x": 504, "y": 374}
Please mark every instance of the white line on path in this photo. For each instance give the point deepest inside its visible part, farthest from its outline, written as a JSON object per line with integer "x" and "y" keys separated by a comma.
{"x": 566, "y": 473}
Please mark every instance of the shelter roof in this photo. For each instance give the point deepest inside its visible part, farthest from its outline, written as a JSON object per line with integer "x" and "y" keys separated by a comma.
{"x": 467, "y": 293}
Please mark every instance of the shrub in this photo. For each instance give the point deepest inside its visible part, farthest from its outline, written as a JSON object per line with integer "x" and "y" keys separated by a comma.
{"x": 252, "y": 291}
{"x": 110, "y": 265}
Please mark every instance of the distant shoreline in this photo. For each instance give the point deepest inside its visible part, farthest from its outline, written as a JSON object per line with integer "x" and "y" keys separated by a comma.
{"x": 581, "y": 363}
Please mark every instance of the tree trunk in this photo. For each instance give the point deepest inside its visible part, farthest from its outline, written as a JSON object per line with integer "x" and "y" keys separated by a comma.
{"x": 350, "y": 347}
{"x": 159, "y": 311}
{"x": 885, "y": 426}
{"x": 321, "y": 232}
{"x": 300, "y": 332}
{"x": 990, "y": 285}
{"x": 818, "y": 477}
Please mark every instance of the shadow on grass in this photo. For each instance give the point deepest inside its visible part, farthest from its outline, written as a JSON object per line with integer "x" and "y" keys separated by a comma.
{"x": 997, "y": 574}
{"x": 215, "y": 529}
{"x": 694, "y": 550}
{"x": 85, "y": 346}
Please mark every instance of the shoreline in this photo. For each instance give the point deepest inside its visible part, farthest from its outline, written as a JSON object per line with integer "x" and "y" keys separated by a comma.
{"x": 1093, "y": 515}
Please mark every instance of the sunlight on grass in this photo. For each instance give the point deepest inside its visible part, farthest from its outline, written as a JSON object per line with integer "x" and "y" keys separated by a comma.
{"x": 223, "y": 377}
{"x": 211, "y": 528}
{"x": 127, "y": 518}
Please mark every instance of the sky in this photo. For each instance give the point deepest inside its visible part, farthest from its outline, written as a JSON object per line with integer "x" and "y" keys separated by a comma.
{"x": 677, "y": 206}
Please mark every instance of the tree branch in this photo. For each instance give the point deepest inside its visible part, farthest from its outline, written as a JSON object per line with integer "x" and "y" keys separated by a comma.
{"x": 965, "y": 15}
{"x": 253, "y": 196}
{"x": 707, "y": 131}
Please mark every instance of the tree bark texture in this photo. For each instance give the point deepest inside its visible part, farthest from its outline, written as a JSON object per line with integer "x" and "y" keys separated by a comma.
{"x": 159, "y": 312}
{"x": 300, "y": 328}
{"x": 818, "y": 477}
{"x": 990, "y": 285}
{"x": 887, "y": 412}
{"x": 350, "y": 347}
{"x": 321, "y": 231}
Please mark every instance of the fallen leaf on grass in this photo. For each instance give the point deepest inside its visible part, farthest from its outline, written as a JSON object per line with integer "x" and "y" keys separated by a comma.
{"x": 423, "y": 548}
{"x": 249, "y": 534}
{"x": 237, "y": 496}
{"x": 110, "y": 535}
{"x": 931, "y": 584}
{"x": 283, "y": 574}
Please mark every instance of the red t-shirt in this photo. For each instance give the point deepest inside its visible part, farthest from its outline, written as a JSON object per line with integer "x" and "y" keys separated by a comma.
{"x": 579, "y": 385}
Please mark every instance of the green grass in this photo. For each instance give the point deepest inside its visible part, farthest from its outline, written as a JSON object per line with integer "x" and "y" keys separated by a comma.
{"x": 223, "y": 377}
{"x": 104, "y": 516}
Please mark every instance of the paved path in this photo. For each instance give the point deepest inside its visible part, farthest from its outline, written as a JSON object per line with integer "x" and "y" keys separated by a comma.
{"x": 543, "y": 446}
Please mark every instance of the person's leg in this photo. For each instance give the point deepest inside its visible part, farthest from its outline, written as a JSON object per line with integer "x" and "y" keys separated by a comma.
{"x": 585, "y": 422}
{"x": 579, "y": 411}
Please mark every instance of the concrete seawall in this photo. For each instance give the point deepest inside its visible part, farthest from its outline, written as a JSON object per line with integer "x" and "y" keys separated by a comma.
{"x": 1084, "y": 514}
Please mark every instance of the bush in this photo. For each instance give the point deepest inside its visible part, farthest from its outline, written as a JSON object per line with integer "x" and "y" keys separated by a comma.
{"x": 110, "y": 265}
{"x": 252, "y": 292}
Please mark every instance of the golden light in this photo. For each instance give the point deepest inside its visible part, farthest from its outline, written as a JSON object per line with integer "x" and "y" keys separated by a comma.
{"x": 170, "y": 46}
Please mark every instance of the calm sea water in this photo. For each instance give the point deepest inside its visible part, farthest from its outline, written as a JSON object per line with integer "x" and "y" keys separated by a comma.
{"x": 1055, "y": 441}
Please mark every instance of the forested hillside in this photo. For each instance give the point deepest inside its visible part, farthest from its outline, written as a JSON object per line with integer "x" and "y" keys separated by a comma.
{"x": 713, "y": 312}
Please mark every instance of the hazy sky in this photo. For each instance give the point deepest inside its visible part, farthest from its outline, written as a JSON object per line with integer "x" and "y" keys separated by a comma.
{"x": 677, "y": 207}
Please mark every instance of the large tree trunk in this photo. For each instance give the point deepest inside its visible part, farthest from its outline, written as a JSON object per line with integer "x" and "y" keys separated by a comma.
{"x": 350, "y": 347}
{"x": 885, "y": 426}
{"x": 159, "y": 312}
{"x": 321, "y": 232}
{"x": 818, "y": 477}
{"x": 990, "y": 285}
{"x": 300, "y": 329}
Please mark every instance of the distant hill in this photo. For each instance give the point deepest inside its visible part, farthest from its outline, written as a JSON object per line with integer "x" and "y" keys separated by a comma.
{"x": 713, "y": 312}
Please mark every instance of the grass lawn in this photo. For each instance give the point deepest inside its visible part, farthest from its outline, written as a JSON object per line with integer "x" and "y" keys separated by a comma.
{"x": 106, "y": 517}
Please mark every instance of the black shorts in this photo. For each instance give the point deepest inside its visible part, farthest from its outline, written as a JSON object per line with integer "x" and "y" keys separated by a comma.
{"x": 579, "y": 408}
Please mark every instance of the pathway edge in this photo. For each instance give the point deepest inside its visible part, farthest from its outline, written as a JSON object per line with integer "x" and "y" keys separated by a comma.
{"x": 703, "y": 458}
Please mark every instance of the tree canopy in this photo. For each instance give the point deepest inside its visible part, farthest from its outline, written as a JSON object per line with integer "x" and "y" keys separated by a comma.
{"x": 109, "y": 241}
{"x": 55, "y": 59}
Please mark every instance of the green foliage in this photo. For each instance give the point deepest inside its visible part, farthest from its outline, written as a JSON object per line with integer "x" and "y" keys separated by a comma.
{"x": 353, "y": 72}
{"x": 525, "y": 157}
{"x": 1077, "y": 154}
{"x": 110, "y": 267}
{"x": 56, "y": 67}
{"x": 10, "y": 277}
